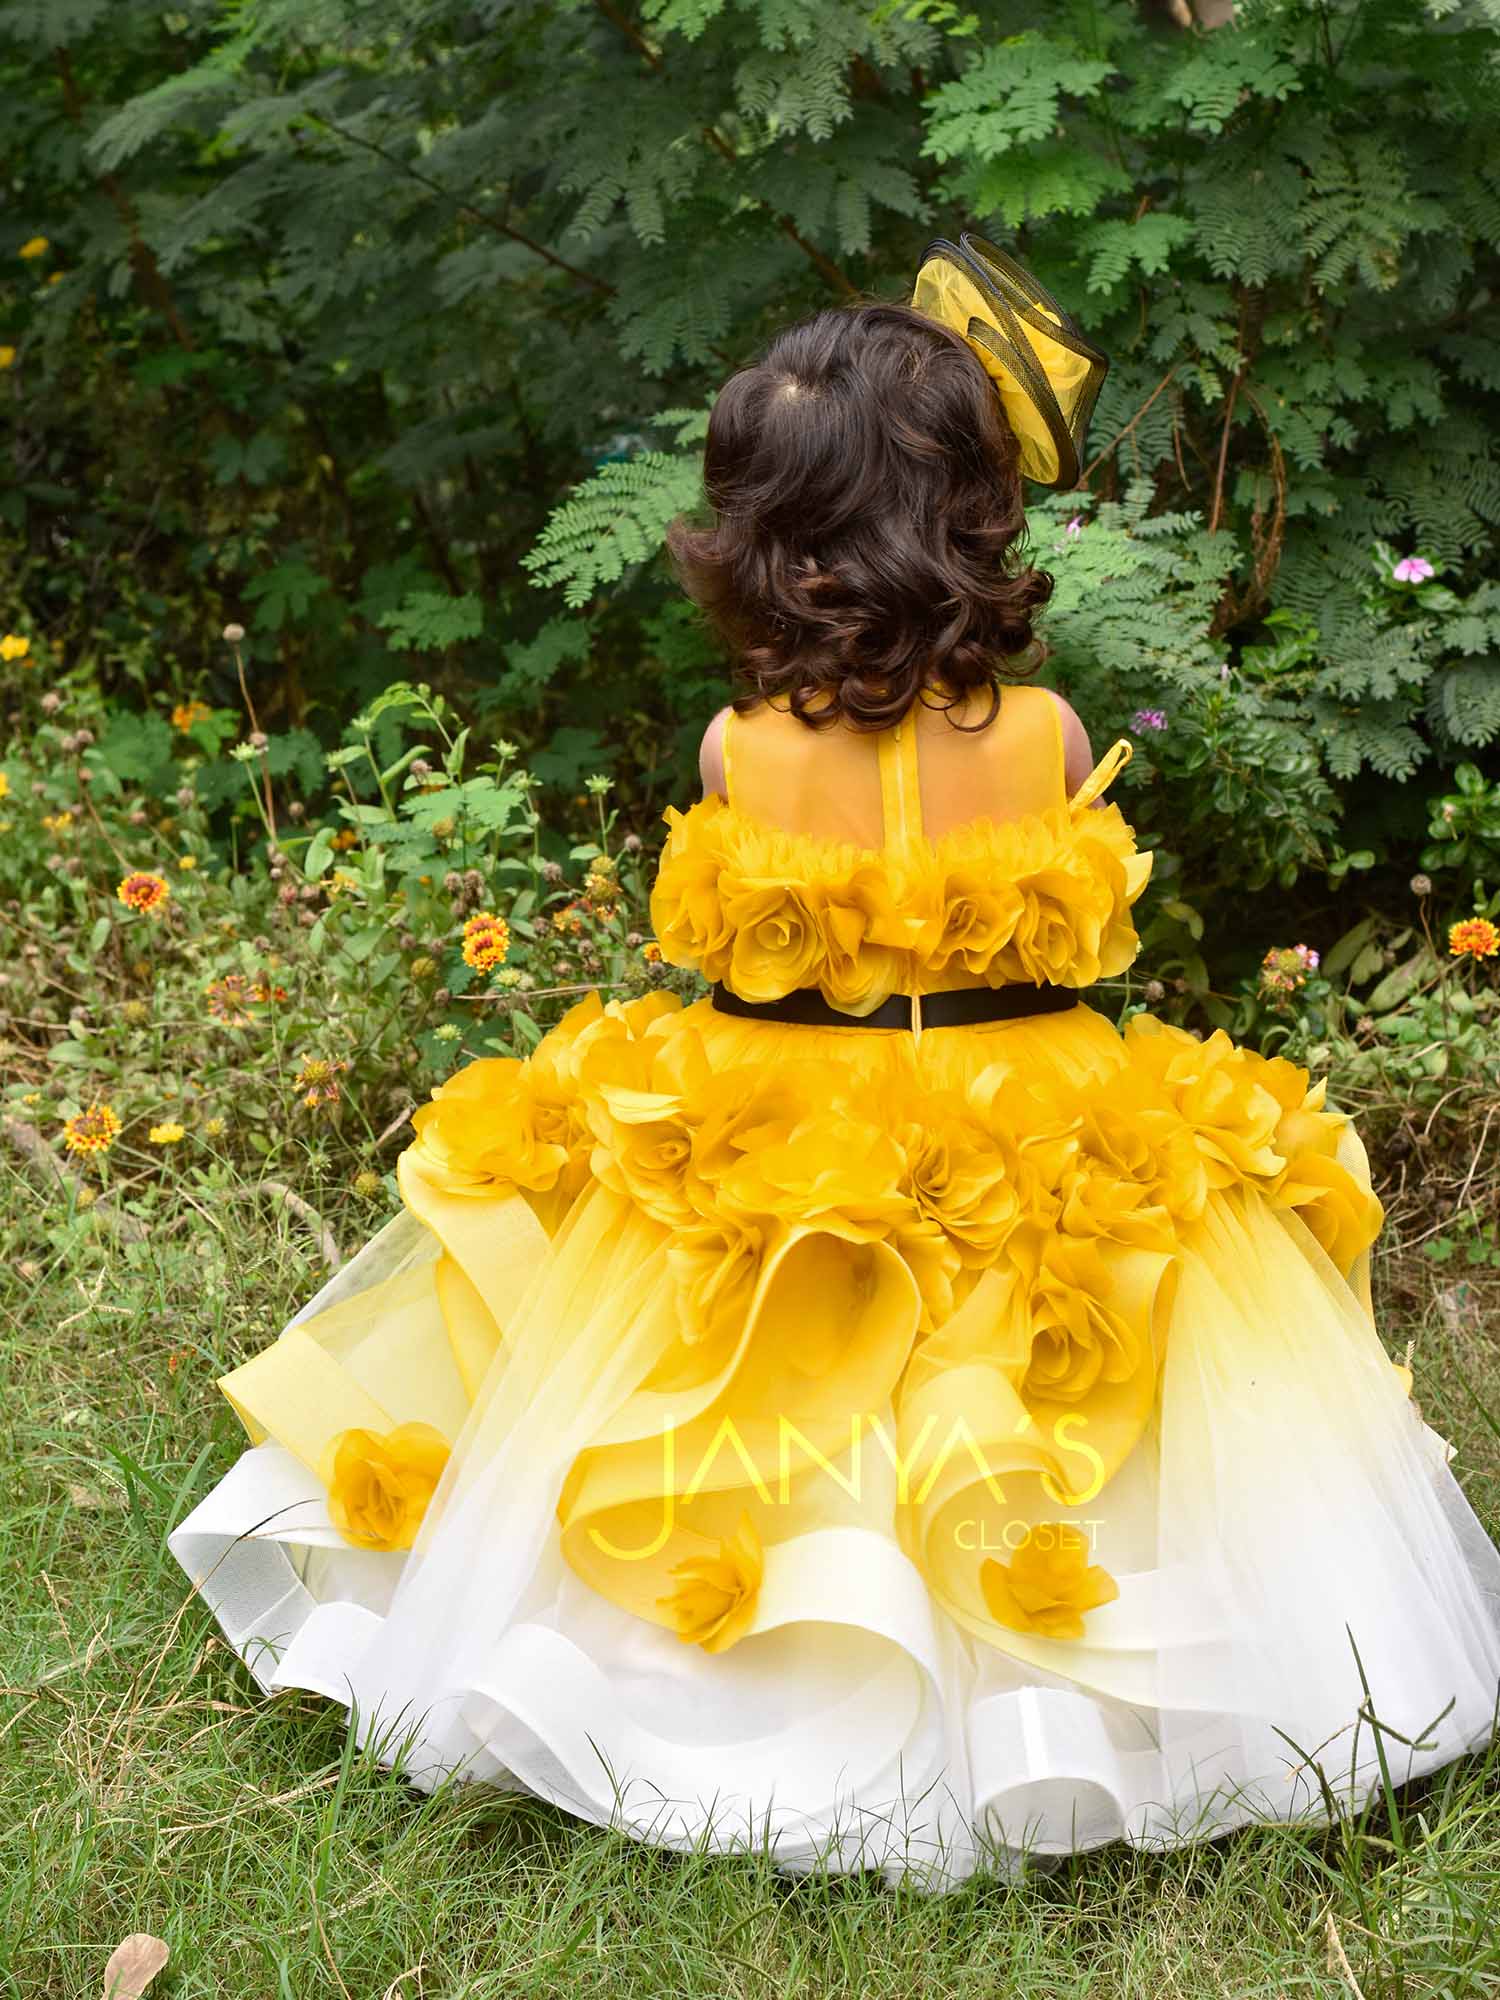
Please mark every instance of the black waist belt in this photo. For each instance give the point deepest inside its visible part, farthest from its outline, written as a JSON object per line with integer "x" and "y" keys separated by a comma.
{"x": 961, "y": 1008}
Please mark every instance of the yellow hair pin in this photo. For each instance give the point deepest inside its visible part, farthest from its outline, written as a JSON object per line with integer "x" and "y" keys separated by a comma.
{"x": 1047, "y": 372}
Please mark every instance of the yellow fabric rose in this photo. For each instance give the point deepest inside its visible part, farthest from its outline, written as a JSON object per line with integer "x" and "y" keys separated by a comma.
{"x": 833, "y": 1172}
{"x": 716, "y": 1264}
{"x": 1214, "y": 1088}
{"x": 687, "y": 912}
{"x": 867, "y": 938}
{"x": 379, "y": 1486}
{"x": 1344, "y": 1214}
{"x": 958, "y": 1174}
{"x": 486, "y": 1132}
{"x": 717, "y": 1592}
{"x": 1080, "y": 1338}
{"x": 1048, "y": 1585}
{"x": 978, "y": 908}
{"x": 778, "y": 941}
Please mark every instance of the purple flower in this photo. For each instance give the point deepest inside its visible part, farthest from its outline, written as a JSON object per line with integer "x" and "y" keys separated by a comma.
{"x": 1075, "y": 528}
{"x": 1413, "y": 569}
{"x": 1152, "y": 719}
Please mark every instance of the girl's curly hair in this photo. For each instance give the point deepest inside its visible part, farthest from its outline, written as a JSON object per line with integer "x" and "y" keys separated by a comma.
{"x": 867, "y": 518}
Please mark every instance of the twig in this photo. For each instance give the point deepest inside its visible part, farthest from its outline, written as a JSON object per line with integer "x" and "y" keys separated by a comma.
{"x": 1229, "y": 403}
{"x": 464, "y": 207}
{"x": 1336, "y": 1956}
{"x": 1083, "y": 477}
{"x": 27, "y": 1140}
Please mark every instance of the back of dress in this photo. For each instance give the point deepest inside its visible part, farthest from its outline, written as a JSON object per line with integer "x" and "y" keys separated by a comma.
{"x": 839, "y": 783}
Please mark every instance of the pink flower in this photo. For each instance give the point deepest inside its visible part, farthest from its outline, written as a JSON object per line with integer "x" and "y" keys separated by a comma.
{"x": 1154, "y": 719}
{"x": 1074, "y": 528}
{"x": 1413, "y": 569}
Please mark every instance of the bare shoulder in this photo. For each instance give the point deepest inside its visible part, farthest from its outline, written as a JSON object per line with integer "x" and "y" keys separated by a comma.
{"x": 711, "y": 756}
{"x": 1078, "y": 755}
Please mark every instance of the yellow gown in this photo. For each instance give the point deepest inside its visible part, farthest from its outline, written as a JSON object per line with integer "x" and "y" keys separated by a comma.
{"x": 901, "y": 1448}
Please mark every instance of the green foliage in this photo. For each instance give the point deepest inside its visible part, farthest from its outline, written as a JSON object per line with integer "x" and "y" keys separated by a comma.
{"x": 388, "y": 329}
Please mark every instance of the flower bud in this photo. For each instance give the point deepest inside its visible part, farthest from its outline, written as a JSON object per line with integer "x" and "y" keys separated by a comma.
{"x": 233, "y": 634}
{"x": 1155, "y": 992}
{"x": 1421, "y": 885}
{"x": 185, "y": 796}
{"x": 631, "y": 843}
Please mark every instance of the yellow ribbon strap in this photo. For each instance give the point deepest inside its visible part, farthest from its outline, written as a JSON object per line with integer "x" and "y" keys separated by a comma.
{"x": 1103, "y": 775}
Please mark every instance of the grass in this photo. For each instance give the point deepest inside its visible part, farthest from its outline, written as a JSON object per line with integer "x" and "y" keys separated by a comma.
{"x": 144, "y": 1785}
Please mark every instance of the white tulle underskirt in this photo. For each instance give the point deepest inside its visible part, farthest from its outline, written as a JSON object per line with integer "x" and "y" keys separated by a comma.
{"x": 1324, "y": 1612}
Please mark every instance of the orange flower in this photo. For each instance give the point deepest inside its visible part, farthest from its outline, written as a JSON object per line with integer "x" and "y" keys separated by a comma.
{"x": 92, "y": 1131}
{"x": 1475, "y": 937}
{"x": 486, "y": 941}
{"x": 145, "y": 893}
{"x": 186, "y": 713}
{"x": 344, "y": 839}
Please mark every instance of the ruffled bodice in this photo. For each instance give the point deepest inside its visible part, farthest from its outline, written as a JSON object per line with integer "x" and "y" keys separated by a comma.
{"x": 1042, "y": 897}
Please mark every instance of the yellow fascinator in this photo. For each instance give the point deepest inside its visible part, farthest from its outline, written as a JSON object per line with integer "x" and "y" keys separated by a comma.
{"x": 1048, "y": 374}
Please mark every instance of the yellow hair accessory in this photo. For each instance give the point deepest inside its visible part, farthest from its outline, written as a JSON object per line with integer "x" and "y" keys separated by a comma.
{"x": 1048, "y": 374}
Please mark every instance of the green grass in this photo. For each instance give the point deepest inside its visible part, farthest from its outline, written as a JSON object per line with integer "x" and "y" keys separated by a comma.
{"x": 145, "y": 1786}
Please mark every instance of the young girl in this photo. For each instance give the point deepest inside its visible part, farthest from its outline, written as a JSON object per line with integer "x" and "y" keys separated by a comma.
{"x": 878, "y": 1411}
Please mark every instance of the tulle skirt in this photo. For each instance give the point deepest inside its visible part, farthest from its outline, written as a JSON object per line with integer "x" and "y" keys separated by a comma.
{"x": 844, "y": 1462}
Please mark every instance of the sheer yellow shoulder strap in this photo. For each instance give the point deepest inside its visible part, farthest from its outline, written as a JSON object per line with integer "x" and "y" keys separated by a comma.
{"x": 1103, "y": 775}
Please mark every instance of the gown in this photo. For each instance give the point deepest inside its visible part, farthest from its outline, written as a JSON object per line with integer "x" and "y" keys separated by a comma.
{"x": 907, "y": 1449}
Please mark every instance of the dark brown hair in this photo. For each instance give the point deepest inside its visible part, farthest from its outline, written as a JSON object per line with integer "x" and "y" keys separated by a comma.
{"x": 867, "y": 516}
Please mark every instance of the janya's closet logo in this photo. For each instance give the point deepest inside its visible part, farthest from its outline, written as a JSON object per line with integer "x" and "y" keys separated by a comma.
{"x": 918, "y": 1468}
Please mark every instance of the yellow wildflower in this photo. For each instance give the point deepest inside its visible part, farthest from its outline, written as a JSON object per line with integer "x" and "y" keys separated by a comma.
{"x": 167, "y": 1135}
{"x": 57, "y": 823}
{"x": 187, "y": 862}
{"x": 7, "y": 357}
{"x": 34, "y": 246}
{"x": 144, "y": 892}
{"x": 4, "y": 786}
{"x": 14, "y": 647}
{"x": 214, "y": 1128}
{"x": 92, "y": 1131}
{"x": 57, "y": 277}
{"x": 344, "y": 839}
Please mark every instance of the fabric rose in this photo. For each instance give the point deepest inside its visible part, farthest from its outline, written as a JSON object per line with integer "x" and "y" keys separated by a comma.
{"x": 1214, "y": 1088}
{"x": 1048, "y": 1585}
{"x": 1344, "y": 1214}
{"x": 642, "y": 1095}
{"x": 832, "y": 1172}
{"x": 717, "y": 1592}
{"x": 778, "y": 940}
{"x": 379, "y": 1486}
{"x": 867, "y": 933}
{"x": 715, "y": 1264}
{"x": 487, "y": 1132}
{"x": 1080, "y": 1339}
{"x": 958, "y": 1174}
{"x": 979, "y": 907}
{"x": 687, "y": 911}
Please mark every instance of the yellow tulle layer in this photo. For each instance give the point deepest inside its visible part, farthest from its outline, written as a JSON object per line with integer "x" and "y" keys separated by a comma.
{"x": 1044, "y": 899}
{"x": 857, "y": 1277}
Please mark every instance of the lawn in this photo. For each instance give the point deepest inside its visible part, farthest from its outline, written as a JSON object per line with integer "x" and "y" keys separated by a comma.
{"x": 145, "y": 1787}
